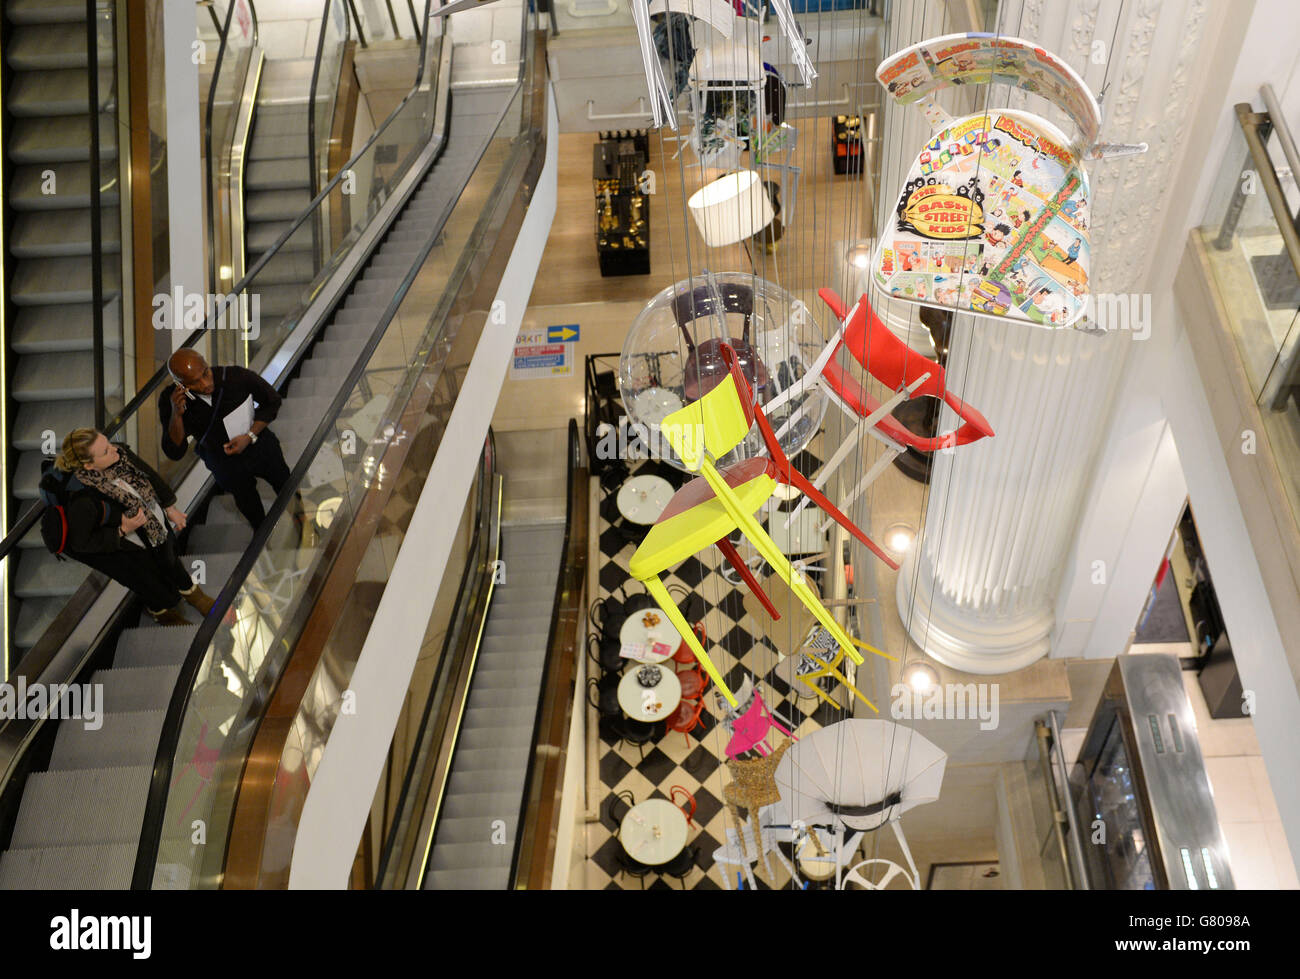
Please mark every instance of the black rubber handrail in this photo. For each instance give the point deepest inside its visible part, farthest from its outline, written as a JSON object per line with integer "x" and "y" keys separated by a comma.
{"x": 145, "y": 394}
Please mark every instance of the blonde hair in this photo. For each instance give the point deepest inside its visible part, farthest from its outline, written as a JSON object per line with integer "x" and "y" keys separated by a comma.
{"x": 76, "y": 449}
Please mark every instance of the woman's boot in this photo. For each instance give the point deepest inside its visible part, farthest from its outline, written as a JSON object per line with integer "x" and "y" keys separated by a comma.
{"x": 169, "y": 616}
{"x": 196, "y": 597}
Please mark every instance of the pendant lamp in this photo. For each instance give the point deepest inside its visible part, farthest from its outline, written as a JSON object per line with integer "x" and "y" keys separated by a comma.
{"x": 731, "y": 208}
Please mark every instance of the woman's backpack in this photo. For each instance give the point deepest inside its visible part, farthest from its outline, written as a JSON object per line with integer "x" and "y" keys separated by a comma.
{"x": 57, "y": 489}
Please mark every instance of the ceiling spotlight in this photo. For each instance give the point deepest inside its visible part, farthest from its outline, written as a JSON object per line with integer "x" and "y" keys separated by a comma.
{"x": 920, "y": 676}
{"x": 859, "y": 255}
{"x": 899, "y": 538}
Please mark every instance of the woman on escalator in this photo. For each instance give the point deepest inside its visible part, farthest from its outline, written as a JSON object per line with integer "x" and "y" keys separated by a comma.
{"x": 120, "y": 515}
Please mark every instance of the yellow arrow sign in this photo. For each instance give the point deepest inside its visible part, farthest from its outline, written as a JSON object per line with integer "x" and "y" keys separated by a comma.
{"x": 562, "y": 334}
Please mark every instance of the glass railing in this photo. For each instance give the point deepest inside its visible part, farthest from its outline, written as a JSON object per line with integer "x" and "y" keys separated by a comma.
{"x": 389, "y": 20}
{"x": 234, "y": 58}
{"x": 387, "y": 418}
{"x": 258, "y": 313}
{"x": 1251, "y": 243}
{"x": 326, "y": 75}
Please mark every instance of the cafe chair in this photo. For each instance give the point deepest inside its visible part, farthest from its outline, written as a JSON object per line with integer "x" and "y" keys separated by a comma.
{"x": 605, "y": 691}
{"x": 606, "y": 653}
{"x": 686, "y": 718}
{"x": 694, "y": 682}
{"x": 620, "y": 803}
{"x": 993, "y": 215}
{"x": 680, "y": 866}
{"x": 901, "y": 370}
{"x": 710, "y": 507}
{"x": 685, "y": 656}
{"x": 633, "y": 868}
{"x": 687, "y": 799}
{"x": 639, "y": 733}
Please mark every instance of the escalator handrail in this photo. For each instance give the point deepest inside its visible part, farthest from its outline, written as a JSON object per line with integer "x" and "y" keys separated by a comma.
{"x": 169, "y": 739}
{"x": 313, "y": 172}
{"x": 146, "y": 393}
{"x": 208, "y": 161}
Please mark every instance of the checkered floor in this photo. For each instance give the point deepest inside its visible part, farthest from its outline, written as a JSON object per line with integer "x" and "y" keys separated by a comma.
{"x": 694, "y": 761}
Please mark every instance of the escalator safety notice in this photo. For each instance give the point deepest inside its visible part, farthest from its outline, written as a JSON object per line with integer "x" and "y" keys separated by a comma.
{"x": 544, "y": 352}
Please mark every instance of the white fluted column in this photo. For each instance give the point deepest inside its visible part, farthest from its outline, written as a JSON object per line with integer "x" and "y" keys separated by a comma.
{"x": 978, "y": 590}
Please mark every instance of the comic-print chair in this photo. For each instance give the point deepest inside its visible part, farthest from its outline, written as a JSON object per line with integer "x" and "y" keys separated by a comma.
{"x": 992, "y": 218}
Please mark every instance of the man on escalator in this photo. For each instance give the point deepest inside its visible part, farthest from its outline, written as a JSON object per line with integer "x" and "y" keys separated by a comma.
{"x": 227, "y": 411}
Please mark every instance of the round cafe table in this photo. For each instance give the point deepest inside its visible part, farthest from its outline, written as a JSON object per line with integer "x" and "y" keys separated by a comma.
{"x": 647, "y": 627}
{"x": 653, "y": 831}
{"x": 649, "y": 703}
{"x": 642, "y": 498}
{"x": 653, "y": 405}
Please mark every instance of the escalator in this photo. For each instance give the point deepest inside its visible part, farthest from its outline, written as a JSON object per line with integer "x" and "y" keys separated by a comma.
{"x": 491, "y": 750}
{"x": 84, "y": 808}
{"x": 51, "y": 375}
{"x": 496, "y": 733}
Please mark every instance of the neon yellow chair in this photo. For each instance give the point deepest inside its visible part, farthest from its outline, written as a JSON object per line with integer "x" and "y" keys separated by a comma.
{"x": 709, "y": 508}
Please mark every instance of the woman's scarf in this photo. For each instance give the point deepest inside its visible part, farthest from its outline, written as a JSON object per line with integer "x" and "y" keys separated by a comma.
{"x": 114, "y": 481}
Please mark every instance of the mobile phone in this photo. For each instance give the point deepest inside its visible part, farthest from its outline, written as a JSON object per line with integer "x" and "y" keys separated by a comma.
{"x": 180, "y": 383}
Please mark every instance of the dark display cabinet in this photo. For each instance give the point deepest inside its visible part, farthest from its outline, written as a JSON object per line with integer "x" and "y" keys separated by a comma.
{"x": 622, "y": 210}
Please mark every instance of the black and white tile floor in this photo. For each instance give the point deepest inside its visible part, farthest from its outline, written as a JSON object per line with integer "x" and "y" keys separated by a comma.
{"x": 695, "y": 761}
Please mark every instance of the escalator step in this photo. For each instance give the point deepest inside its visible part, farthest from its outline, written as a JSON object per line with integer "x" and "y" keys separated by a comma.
{"x": 68, "y": 234}
{"x": 70, "y": 186}
{"x": 485, "y": 781}
{"x": 41, "y": 575}
{"x": 27, "y": 474}
{"x": 470, "y": 866}
{"x": 489, "y": 806}
{"x": 491, "y": 759}
{"x": 46, "y": 12}
{"x": 514, "y": 698}
{"x": 469, "y": 880}
{"x": 141, "y": 688}
{"x": 65, "y": 376}
{"x": 65, "y": 139}
{"x": 149, "y": 645}
{"x": 64, "y": 92}
{"x": 42, "y": 47}
{"x": 90, "y": 806}
{"x": 264, "y": 234}
{"x": 471, "y": 830}
{"x": 213, "y": 538}
{"x": 93, "y": 867}
{"x": 126, "y": 739}
{"x": 59, "y": 281}
{"x": 284, "y": 268}
{"x": 60, "y": 329}
{"x": 501, "y": 737}
{"x": 278, "y": 175}
{"x": 275, "y": 205}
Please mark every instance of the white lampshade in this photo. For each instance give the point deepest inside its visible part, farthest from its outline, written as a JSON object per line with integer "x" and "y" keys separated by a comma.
{"x": 731, "y": 208}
